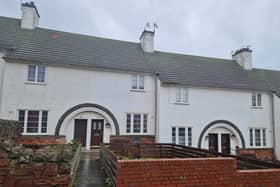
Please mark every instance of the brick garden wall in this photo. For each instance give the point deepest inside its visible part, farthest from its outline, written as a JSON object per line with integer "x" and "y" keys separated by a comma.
{"x": 33, "y": 175}
{"x": 42, "y": 140}
{"x": 200, "y": 172}
{"x": 263, "y": 154}
{"x": 132, "y": 139}
{"x": 259, "y": 178}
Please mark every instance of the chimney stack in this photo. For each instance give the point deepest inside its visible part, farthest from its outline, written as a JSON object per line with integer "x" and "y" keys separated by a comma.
{"x": 243, "y": 57}
{"x": 147, "y": 38}
{"x": 30, "y": 16}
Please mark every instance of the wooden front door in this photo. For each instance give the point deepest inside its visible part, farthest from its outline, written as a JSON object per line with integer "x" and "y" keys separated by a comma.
{"x": 97, "y": 131}
{"x": 80, "y": 131}
{"x": 213, "y": 142}
{"x": 226, "y": 143}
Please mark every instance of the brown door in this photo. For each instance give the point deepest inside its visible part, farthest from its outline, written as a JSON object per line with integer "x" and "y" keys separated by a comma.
{"x": 80, "y": 131}
{"x": 213, "y": 142}
{"x": 97, "y": 131}
{"x": 226, "y": 143}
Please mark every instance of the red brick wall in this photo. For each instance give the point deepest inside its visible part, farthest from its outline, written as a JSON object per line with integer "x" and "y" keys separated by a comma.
{"x": 259, "y": 178}
{"x": 3, "y": 170}
{"x": 143, "y": 139}
{"x": 42, "y": 140}
{"x": 177, "y": 172}
{"x": 198, "y": 172}
{"x": 33, "y": 175}
{"x": 263, "y": 154}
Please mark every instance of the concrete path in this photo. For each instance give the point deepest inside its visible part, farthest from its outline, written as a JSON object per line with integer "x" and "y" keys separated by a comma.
{"x": 89, "y": 172}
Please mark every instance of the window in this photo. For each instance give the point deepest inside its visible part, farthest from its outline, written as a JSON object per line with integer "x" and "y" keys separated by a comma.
{"x": 181, "y": 95}
{"x": 256, "y": 100}
{"x": 174, "y": 135}
{"x": 136, "y": 123}
{"x": 33, "y": 121}
{"x": 128, "y": 123}
{"x": 36, "y": 73}
{"x": 257, "y": 137}
{"x": 182, "y": 136}
{"x": 179, "y": 135}
{"x": 138, "y": 82}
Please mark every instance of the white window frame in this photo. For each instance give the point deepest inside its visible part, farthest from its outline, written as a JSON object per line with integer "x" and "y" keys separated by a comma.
{"x": 256, "y": 97}
{"x": 39, "y": 122}
{"x": 36, "y": 81}
{"x": 261, "y": 137}
{"x": 141, "y": 123}
{"x": 182, "y": 95}
{"x": 138, "y": 83}
{"x": 187, "y": 143}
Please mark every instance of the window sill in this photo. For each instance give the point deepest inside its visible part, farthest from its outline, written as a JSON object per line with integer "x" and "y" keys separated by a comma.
{"x": 181, "y": 103}
{"x": 36, "y": 83}
{"x": 256, "y": 107}
{"x": 32, "y": 134}
{"x": 137, "y": 90}
{"x": 258, "y": 147}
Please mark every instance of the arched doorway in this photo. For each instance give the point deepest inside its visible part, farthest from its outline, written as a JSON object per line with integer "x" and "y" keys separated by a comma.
{"x": 91, "y": 124}
{"x": 221, "y": 136}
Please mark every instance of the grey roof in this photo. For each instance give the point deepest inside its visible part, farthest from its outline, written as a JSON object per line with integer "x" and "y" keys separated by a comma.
{"x": 203, "y": 71}
{"x": 56, "y": 47}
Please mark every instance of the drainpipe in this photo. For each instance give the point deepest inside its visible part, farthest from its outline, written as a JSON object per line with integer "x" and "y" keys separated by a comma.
{"x": 273, "y": 123}
{"x": 156, "y": 109}
{"x": 2, "y": 68}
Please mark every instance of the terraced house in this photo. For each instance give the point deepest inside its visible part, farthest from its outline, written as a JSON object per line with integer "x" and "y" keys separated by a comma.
{"x": 89, "y": 88}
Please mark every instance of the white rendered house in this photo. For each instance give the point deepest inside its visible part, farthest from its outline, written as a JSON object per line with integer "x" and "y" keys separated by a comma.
{"x": 89, "y": 88}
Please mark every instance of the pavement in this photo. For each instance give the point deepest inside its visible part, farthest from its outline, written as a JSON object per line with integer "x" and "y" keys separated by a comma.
{"x": 89, "y": 172}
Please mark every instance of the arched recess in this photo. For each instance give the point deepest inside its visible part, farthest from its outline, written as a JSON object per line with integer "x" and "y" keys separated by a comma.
{"x": 227, "y": 124}
{"x": 87, "y": 107}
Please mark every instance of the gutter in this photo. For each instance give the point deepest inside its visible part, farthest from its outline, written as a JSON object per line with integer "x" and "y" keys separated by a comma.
{"x": 273, "y": 123}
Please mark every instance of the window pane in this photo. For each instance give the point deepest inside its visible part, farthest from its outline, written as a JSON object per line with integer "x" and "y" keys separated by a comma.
{"x": 254, "y": 102}
{"x": 259, "y": 97}
{"x": 128, "y": 123}
{"x": 21, "y": 117}
{"x": 264, "y": 137}
{"x": 178, "y": 95}
{"x": 44, "y": 121}
{"x": 173, "y": 135}
{"x": 182, "y": 136}
{"x": 185, "y": 95}
{"x": 145, "y": 121}
{"x": 33, "y": 121}
{"x": 190, "y": 137}
{"x": 41, "y": 73}
{"x": 141, "y": 82}
{"x": 31, "y": 73}
{"x": 251, "y": 137}
{"x": 257, "y": 137}
{"x": 134, "y": 82}
{"x": 137, "y": 123}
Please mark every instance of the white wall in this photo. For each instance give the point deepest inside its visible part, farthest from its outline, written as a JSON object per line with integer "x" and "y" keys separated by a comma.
{"x": 277, "y": 125}
{"x": 68, "y": 87}
{"x": 208, "y": 105}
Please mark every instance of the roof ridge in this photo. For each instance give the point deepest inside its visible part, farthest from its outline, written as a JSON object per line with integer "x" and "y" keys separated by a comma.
{"x": 194, "y": 56}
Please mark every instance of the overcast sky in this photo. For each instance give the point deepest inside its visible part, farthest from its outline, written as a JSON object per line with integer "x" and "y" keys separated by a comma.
{"x": 200, "y": 27}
